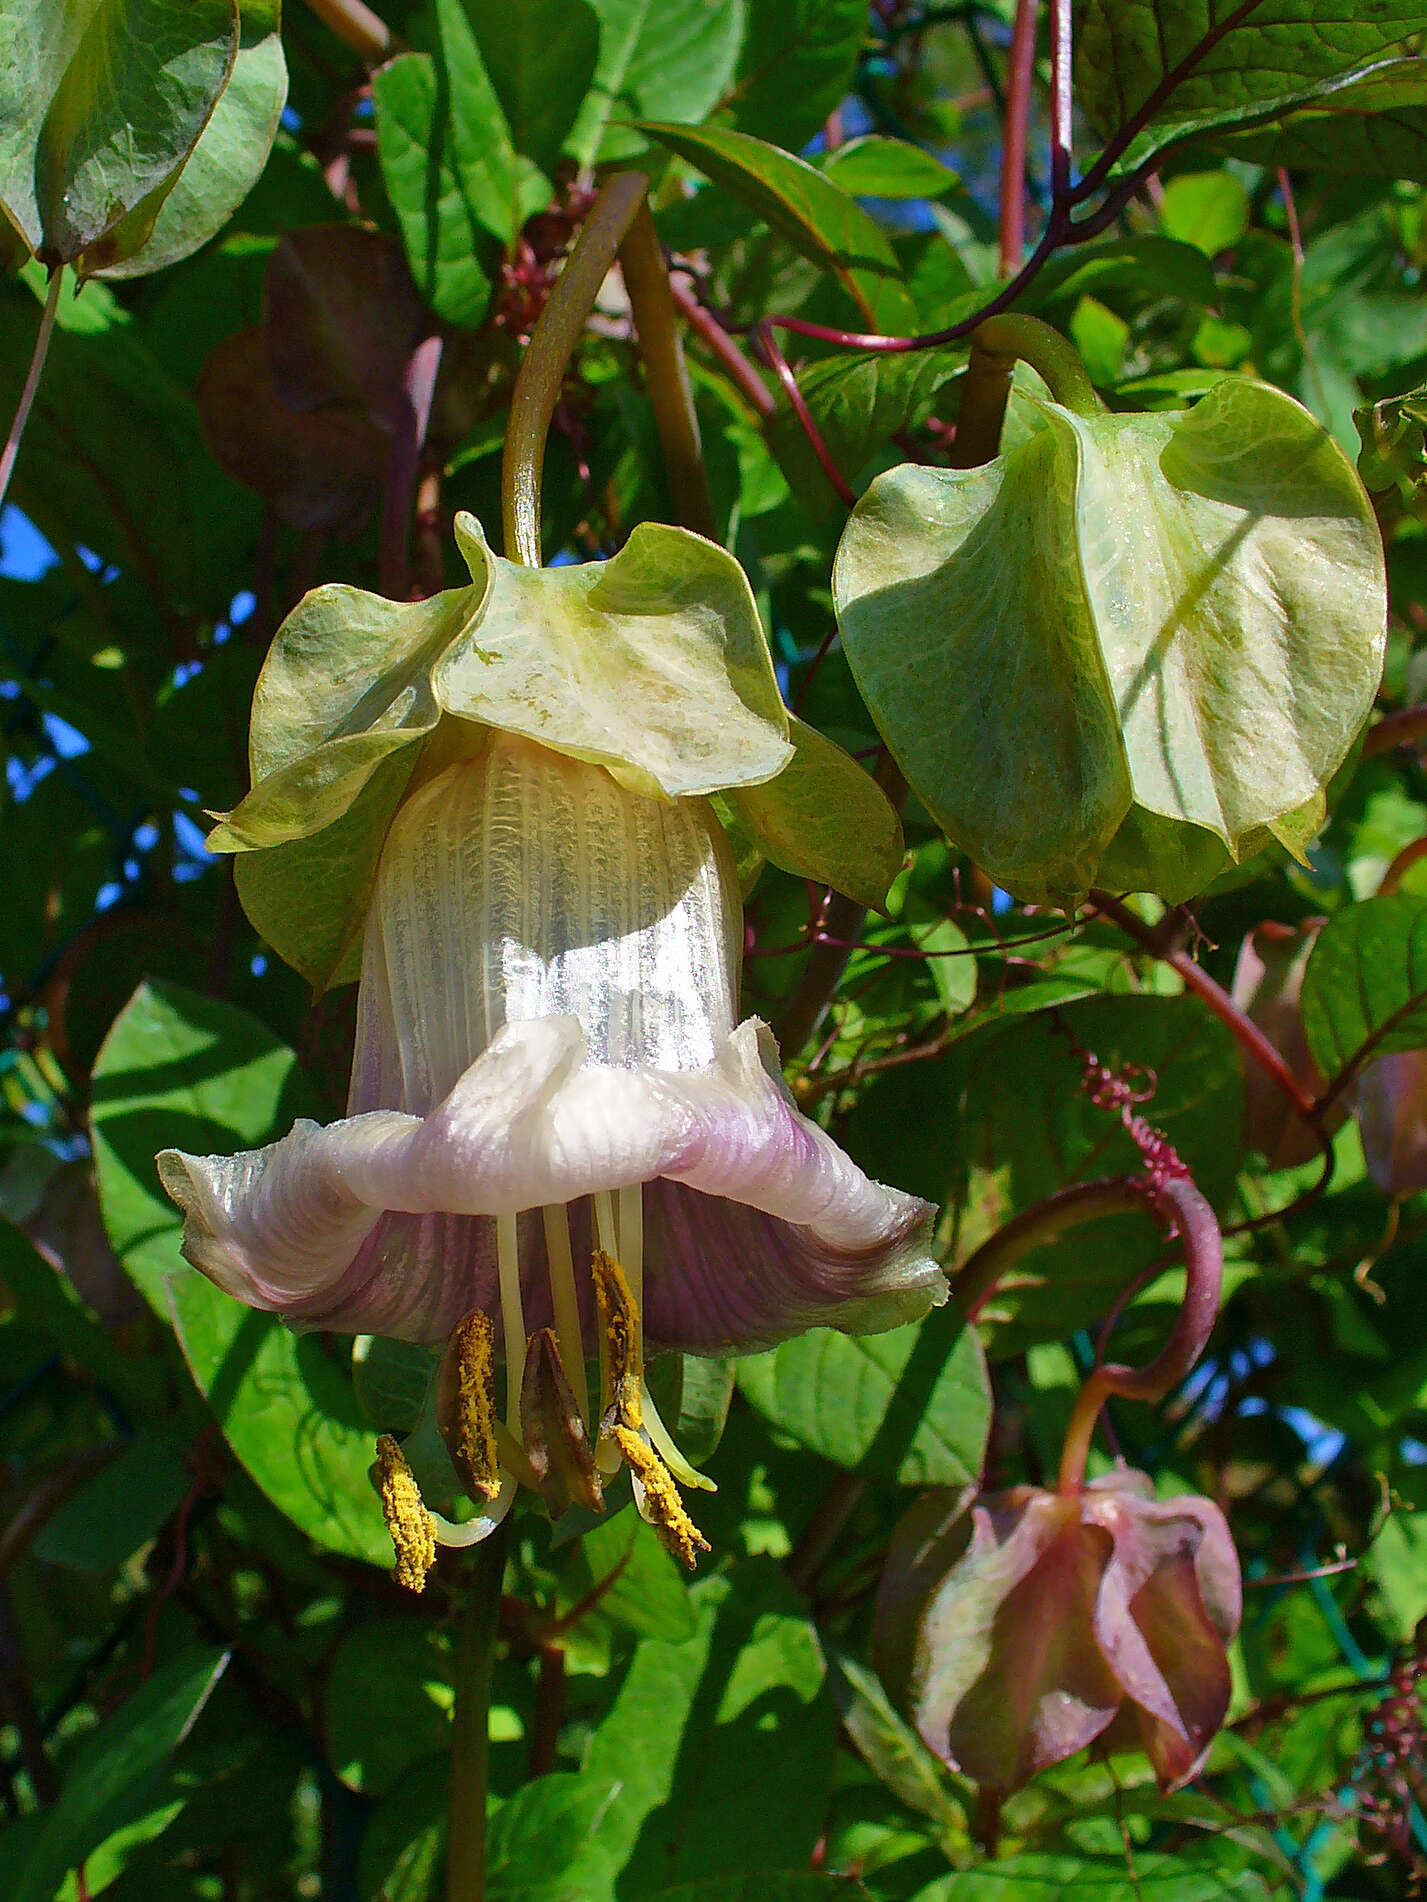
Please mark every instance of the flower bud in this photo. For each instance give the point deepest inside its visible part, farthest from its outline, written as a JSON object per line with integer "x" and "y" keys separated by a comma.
{"x": 1268, "y": 979}
{"x": 1037, "y": 1622}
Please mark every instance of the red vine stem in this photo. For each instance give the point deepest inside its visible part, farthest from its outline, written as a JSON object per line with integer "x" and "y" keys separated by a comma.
{"x": 782, "y": 369}
{"x": 706, "y": 326}
{"x": 1179, "y": 1205}
{"x": 1247, "y": 1033}
{"x": 1013, "y": 151}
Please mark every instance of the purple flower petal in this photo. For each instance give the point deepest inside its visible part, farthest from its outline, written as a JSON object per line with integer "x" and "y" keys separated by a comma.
{"x": 758, "y": 1226}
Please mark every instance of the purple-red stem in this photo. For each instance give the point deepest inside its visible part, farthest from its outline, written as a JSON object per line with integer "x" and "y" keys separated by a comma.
{"x": 1020, "y": 75}
{"x": 1247, "y": 1033}
{"x": 783, "y": 370}
{"x": 1061, "y": 97}
{"x": 404, "y": 465}
{"x": 983, "y": 1271}
{"x": 1178, "y": 1203}
{"x": 702, "y": 321}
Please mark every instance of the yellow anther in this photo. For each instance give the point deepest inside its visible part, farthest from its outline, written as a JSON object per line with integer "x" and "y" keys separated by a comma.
{"x": 469, "y": 1425}
{"x": 412, "y": 1529}
{"x": 661, "y": 1505}
{"x": 623, "y": 1422}
{"x": 620, "y": 1320}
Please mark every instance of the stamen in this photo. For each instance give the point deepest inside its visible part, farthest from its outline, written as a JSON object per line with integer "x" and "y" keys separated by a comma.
{"x": 624, "y": 1421}
{"x": 565, "y": 1302}
{"x": 472, "y": 1531}
{"x": 620, "y": 1327}
{"x": 605, "y": 1232}
{"x": 668, "y": 1451}
{"x": 512, "y": 1314}
{"x": 412, "y": 1528}
{"x": 465, "y": 1406}
{"x": 660, "y": 1504}
{"x": 631, "y": 1241}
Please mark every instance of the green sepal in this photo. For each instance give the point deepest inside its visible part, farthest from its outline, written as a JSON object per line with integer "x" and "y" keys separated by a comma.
{"x": 826, "y": 819}
{"x": 653, "y": 664}
{"x": 1130, "y": 651}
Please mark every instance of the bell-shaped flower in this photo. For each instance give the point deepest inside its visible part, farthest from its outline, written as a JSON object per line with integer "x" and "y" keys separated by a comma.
{"x": 1130, "y": 651}
{"x": 1034, "y": 1623}
{"x": 560, "y": 1140}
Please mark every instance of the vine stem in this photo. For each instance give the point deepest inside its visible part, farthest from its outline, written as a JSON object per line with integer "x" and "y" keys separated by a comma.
{"x": 404, "y": 467}
{"x": 470, "y": 1728}
{"x": 1177, "y": 1202}
{"x": 651, "y": 301}
{"x": 32, "y": 383}
{"x": 357, "y": 26}
{"x": 1012, "y": 233}
{"x": 1247, "y": 1033}
{"x": 618, "y": 227}
{"x": 983, "y": 1271}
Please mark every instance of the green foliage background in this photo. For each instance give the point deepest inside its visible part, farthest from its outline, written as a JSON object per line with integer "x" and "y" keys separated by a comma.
{"x": 210, "y": 1687}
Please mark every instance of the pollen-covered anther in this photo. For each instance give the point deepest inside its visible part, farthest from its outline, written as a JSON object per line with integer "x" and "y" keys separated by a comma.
{"x": 412, "y": 1529}
{"x": 660, "y": 1503}
{"x": 619, "y": 1319}
{"x": 656, "y": 1494}
{"x": 465, "y": 1406}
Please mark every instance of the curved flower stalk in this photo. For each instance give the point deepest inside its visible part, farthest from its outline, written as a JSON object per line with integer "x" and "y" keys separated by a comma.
{"x": 559, "y": 1140}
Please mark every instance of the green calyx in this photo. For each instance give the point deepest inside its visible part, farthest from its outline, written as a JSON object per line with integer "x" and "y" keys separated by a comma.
{"x": 1132, "y": 650}
{"x": 652, "y": 664}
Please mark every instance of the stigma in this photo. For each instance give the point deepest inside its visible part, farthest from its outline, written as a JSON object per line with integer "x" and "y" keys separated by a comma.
{"x": 552, "y": 1435}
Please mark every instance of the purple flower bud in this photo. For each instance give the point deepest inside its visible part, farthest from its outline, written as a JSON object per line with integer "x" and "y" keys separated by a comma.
{"x": 1035, "y": 1623}
{"x": 1268, "y": 979}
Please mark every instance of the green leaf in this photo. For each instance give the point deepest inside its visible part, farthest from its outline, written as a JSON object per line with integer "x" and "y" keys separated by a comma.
{"x": 387, "y": 1703}
{"x": 1205, "y": 64}
{"x": 404, "y": 1842}
{"x": 501, "y": 188}
{"x": 541, "y": 58}
{"x": 824, "y": 818}
{"x": 798, "y": 63}
{"x": 547, "y": 1843}
{"x": 450, "y": 253}
{"x": 658, "y": 59}
{"x": 704, "y": 1729}
{"x": 890, "y": 1747}
{"x": 643, "y": 1589}
{"x": 874, "y": 167}
{"x": 912, "y": 1406}
{"x": 178, "y": 1068}
{"x": 808, "y": 211}
{"x": 859, "y": 401}
{"x": 1032, "y": 1877}
{"x": 1150, "y": 707}
{"x": 1128, "y": 274}
{"x": 1209, "y": 210}
{"x": 121, "y": 1508}
{"x": 100, "y": 104}
{"x": 288, "y": 1414}
{"x": 1374, "y": 127}
{"x": 980, "y": 1153}
{"x": 772, "y": 1887}
{"x": 1365, "y": 987}
{"x": 230, "y": 154}
{"x": 115, "y": 1774}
